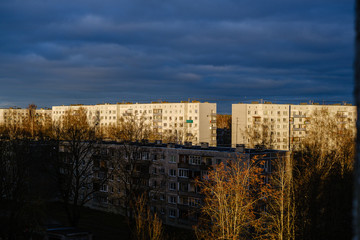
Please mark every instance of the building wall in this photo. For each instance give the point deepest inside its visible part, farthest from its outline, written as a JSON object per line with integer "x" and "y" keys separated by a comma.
{"x": 19, "y": 115}
{"x": 190, "y": 120}
{"x": 239, "y": 124}
{"x": 170, "y": 177}
{"x": 207, "y": 124}
{"x": 286, "y": 122}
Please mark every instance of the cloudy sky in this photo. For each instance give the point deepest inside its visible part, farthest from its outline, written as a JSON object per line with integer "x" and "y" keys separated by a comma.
{"x": 224, "y": 51}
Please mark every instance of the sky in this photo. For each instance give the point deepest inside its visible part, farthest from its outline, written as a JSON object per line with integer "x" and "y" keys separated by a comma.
{"x": 224, "y": 51}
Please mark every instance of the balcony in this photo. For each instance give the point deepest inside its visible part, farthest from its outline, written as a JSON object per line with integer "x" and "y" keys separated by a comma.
{"x": 189, "y": 194}
{"x": 299, "y": 129}
{"x": 299, "y": 116}
{"x": 202, "y": 166}
{"x": 183, "y": 206}
{"x": 183, "y": 165}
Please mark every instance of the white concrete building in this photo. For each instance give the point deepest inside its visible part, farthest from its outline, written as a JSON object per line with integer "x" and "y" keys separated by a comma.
{"x": 282, "y": 124}
{"x": 168, "y": 172}
{"x": 19, "y": 115}
{"x": 194, "y": 121}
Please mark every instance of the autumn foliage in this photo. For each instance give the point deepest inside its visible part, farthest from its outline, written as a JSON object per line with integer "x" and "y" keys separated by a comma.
{"x": 232, "y": 194}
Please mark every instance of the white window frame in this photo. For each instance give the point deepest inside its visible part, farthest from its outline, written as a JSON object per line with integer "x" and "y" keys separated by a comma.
{"x": 195, "y": 160}
{"x": 183, "y": 173}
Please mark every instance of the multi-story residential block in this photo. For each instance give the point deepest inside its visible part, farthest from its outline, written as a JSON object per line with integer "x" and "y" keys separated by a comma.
{"x": 280, "y": 126}
{"x": 20, "y": 115}
{"x": 167, "y": 172}
{"x": 189, "y": 121}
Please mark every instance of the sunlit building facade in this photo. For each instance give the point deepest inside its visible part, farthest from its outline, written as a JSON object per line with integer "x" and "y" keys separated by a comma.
{"x": 191, "y": 121}
{"x": 281, "y": 126}
{"x": 18, "y": 116}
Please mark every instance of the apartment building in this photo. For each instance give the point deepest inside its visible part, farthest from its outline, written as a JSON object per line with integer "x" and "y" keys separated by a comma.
{"x": 282, "y": 125}
{"x": 19, "y": 115}
{"x": 190, "y": 121}
{"x": 167, "y": 172}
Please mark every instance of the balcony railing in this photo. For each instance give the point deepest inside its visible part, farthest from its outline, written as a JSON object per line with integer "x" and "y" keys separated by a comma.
{"x": 299, "y": 129}
{"x": 189, "y": 194}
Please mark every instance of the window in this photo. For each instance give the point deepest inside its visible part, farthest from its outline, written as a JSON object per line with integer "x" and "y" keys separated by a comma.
{"x": 145, "y": 156}
{"x": 172, "y": 185}
{"x": 183, "y": 173}
{"x": 172, "y": 159}
{"x": 104, "y": 188}
{"x": 172, "y": 199}
{"x": 183, "y": 187}
{"x": 195, "y": 160}
{"x": 172, "y": 213}
{"x": 172, "y": 172}
{"x": 162, "y": 197}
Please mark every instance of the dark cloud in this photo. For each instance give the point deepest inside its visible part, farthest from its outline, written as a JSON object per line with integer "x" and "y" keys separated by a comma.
{"x": 226, "y": 51}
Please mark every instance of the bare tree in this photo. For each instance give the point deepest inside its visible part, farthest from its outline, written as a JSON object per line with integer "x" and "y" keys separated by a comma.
{"x": 132, "y": 162}
{"x": 131, "y": 128}
{"x": 148, "y": 226}
{"x": 279, "y": 214}
{"x": 323, "y": 165}
{"x": 260, "y": 133}
{"x": 75, "y": 165}
{"x": 231, "y": 196}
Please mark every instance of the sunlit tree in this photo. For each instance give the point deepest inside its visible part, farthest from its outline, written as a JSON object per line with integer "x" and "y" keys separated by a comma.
{"x": 323, "y": 165}
{"x": 231, "y": 196}
{"x": 148, "y": 225}
{"x": 278, "y": 215}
